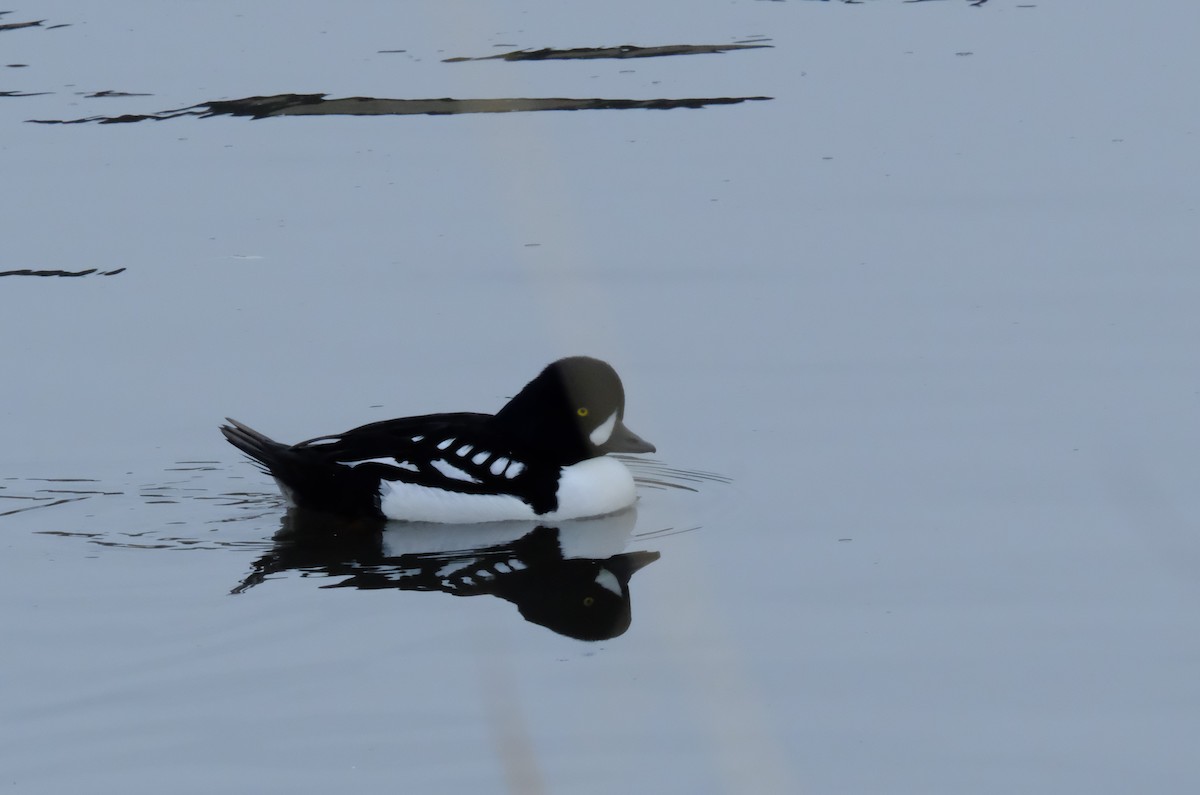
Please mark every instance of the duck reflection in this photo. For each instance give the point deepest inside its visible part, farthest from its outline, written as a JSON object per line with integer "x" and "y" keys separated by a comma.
{"x": 571, "y": 578}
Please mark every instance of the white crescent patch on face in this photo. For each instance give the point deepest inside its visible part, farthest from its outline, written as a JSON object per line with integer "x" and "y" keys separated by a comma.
{"x": 608, "y": 581}
{"x": 604, "y": 430}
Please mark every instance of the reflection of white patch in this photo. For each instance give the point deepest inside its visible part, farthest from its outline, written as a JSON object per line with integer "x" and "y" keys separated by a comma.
{"x": 484, "y": 574}
{"x": 604, "y": 430}
{"x": 443, "y": 444}
{"x": 389, "y": 460}
{"x": 608, "y": 581}
{"x": 480, "y": 457}
{"x": 498, "y": 465}
{"x": 514, "y": 469}
{"x": 503, "y": 568}
{"x": 455, "y": 567}
{"x": 596, "y": 538}
{"x": 466, "y": 448}
{"x": 451, "y": 471}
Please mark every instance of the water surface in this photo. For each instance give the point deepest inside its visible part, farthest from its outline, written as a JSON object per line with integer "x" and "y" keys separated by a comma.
{"x": 930, "y": 310}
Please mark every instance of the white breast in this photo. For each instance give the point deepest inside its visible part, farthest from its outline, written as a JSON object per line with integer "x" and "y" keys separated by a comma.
{"x": 594, "y": 487}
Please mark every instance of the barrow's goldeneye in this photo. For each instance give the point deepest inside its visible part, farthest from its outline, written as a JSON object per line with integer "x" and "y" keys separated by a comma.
{"x": 542, "y": 456}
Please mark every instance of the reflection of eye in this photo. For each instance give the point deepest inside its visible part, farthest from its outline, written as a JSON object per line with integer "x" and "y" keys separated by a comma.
{"x": 582, "y": 412}
{"x": 588, "y": 601}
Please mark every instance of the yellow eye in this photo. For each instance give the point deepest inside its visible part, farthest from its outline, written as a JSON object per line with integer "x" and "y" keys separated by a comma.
{"x": 588, "y": 601}
{"x": 582, "y": 412}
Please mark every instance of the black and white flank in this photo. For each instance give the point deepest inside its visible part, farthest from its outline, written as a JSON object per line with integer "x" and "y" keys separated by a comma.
{"x": 542, "y": 456}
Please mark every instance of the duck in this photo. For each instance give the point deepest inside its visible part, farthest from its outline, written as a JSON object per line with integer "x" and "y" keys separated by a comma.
{"x": 543, "y": 456}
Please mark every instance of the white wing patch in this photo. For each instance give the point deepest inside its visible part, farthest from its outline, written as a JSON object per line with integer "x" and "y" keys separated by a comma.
{"x": 417, "y": 438}
{"x": 453, "y": 472}
{"x": 480, "y": 457}
{"x": 514, "y": 469}
{"x": 498, "y": 465}
{"x": 462, "y": 451}
{"x": 604, "y": 430}
{"x": 449, "y": 568}
{"x": 443, "y": 444}
{"x": 389, "y": 460}
{"x": 322, "y": 440}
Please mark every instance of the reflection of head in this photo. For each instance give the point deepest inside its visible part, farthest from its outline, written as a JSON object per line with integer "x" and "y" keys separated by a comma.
{"x": 565, "y": 578}
{"x": 581, "y": 598}
{"x": 585, "y": 596}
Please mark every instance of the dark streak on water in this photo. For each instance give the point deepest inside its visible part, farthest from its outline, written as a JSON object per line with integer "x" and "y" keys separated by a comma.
{"x": 19, "y": 25}
{"x": 88, "y": 272}
{"x": 318, "y": 105}
{"x": 62, "y": 501}
{"x": 37, "y": 23}
{"x": 861, "y": 2}
{"x": 623, "y": 51}
{"x": 106, "y": 94}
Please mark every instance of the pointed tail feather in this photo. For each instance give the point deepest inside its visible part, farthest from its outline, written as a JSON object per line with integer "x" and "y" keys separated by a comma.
{"x": 265, "y": 451}
{"x": 305, "y": 476}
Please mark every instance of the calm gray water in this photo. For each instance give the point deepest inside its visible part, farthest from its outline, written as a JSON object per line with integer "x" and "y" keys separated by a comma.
{"x": 930, "y": 309}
